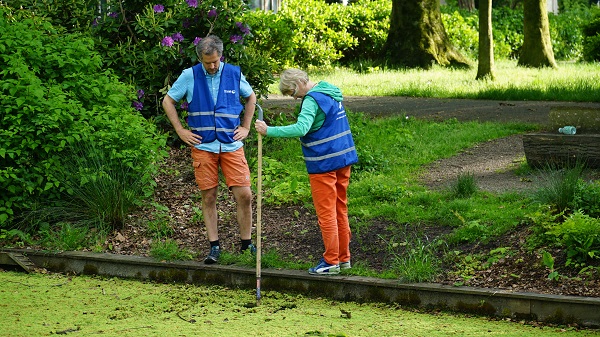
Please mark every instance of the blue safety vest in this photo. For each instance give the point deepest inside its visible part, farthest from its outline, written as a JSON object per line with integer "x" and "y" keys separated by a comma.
{"x": 216, "y": 121}
{"x": 331, "y": 147}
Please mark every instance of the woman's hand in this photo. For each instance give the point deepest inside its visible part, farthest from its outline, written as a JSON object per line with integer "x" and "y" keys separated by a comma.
{"x": 261, "y": 127}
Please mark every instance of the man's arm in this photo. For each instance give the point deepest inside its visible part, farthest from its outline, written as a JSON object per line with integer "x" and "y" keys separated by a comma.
{"x": 186, "y": 135}
{"x": 243, "y": 130}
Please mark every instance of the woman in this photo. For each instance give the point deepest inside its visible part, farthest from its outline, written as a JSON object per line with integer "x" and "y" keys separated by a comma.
{"x": 329, "y": 152}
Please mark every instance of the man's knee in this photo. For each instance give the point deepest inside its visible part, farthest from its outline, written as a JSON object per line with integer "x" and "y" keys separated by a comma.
{"x": 209, "y": 197}
{"x": 243, "y": 195}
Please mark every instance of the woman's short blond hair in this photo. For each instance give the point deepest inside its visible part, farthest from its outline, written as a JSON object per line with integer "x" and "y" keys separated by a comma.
{"x": 289, "y": 79}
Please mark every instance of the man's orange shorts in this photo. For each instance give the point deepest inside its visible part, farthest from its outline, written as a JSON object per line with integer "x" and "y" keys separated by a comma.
{"x": 233, "y": 165}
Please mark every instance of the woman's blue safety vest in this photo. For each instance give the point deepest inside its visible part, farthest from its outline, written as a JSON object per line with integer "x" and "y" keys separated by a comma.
{"x": 216, "y": 121}
{"x": 331, "y": 147}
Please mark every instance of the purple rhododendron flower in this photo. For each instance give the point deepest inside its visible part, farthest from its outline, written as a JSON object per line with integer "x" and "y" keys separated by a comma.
{"x": 140, "y": 93}
{"x": 158, "y": 8}
{"x": 113, "y": 14}
{"x": 212, "y": 13}
{"x": 235, "y": 38}
{"x": 192, "y": 3}
{"x": 95, "y": 22}
{"x": 184, "y": 106}
{"x": 167, "y": 41}
{"x": 243, "y": 28}
{"x": 177, "y": 37}
{"x": 137, "y": 105}
{"x": 197, "y": 40}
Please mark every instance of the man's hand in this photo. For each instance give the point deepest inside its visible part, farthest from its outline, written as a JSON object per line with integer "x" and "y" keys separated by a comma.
{"x": 186, "y": 135}
{"x": 189, "y": 137}
{"x": 240, "y": 133}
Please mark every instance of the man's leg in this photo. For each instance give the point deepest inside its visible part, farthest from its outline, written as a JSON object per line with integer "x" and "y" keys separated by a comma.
{"x": 243, "y": 198}
{"x": 206, "y": 171}
{"x": 237, "y": 177}
{"x": 209, "y": 212}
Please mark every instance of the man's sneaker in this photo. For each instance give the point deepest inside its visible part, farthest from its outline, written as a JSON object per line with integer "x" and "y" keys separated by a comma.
{"x": 324, "y": 268}
{"x": 213, "y": 255}
{"x": 252, "y": 249}
{"x": 345, "y": 265}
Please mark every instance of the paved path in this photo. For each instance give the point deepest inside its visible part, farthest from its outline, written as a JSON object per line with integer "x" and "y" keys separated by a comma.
{"x": 440, "y": 109}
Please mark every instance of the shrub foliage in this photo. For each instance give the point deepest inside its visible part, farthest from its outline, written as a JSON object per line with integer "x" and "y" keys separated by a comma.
{"x": 55, "y": 92}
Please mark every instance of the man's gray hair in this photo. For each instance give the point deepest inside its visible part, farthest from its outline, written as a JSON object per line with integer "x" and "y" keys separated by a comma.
{"x": 209, "y": 45}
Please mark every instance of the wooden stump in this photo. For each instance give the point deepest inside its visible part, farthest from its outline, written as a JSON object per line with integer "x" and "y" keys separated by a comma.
{"x": 558, "y": 150}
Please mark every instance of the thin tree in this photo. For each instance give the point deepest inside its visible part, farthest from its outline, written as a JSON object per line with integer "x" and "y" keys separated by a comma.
{"x": 537, "y": 46}
{"x": 485, "y": 68}
{"x": 417, "y": 37}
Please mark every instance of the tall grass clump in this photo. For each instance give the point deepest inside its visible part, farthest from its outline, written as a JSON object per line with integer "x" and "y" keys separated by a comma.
{"x": 417, "y": 263}
{"x": 168, "y": 250}
{"x": 66, "y": 236}
{"x": 97, "y": 191}
{"x": 464, "y": 186}
{"x": 559, "y": 186}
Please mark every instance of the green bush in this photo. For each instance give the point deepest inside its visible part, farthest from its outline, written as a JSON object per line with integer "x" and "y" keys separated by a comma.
{"x": 579, "y": 235}
{"x": 273, "y": 37}
{"x": 322, "y": 34}
{"x": 565, "y": 33}
{"x": 591, "y": 39}
{"x": 507, "y": 25}
{"x": 462, "y": 28}
{"x": 507, "y": 28}
{"x": 587, "y": 198}
{"x": 97, "y": 191}
{"x": 283, "y": 186}
{"x": 72, "y": 15}
{"x": 369, "y": 27}
{"x": 55, "y": 92}
{"x": 318, "y": 34}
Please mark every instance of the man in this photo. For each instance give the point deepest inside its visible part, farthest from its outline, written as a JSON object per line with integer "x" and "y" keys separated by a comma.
{"x": 215, "y": 134}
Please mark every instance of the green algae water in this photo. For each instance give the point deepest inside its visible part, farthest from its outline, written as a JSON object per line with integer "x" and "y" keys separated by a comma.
{"x": 55, "y": 304}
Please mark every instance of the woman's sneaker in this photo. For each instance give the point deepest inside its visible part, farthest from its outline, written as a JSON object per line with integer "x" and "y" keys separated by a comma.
{"x": 345, "y": 265}
{"x": 324, "y": 268}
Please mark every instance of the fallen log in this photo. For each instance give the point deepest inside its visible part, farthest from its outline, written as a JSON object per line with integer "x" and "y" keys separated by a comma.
{"x": 543, "y": 150}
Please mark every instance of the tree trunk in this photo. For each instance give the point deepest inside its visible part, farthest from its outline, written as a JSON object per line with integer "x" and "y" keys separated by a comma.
{"x": 537, "y": 46}
{"x": 417, "y": 37}
{"x": 467, "y": 4}
{"x": 485, "y": 68}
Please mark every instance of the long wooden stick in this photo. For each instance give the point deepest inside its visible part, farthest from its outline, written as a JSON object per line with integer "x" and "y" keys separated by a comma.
{"x": 259, "y": 211}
